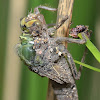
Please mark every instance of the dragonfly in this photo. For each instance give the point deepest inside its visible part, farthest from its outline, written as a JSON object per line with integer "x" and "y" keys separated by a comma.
{"x": 46, "y": 55}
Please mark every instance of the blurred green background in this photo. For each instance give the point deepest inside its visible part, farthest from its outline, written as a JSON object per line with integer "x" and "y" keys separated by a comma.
{"x": 16, "y": 81}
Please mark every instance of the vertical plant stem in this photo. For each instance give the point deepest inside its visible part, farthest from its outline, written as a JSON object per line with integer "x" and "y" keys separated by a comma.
{"x": 64, "y": 9}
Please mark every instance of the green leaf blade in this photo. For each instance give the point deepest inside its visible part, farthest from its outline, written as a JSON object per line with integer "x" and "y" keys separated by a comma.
{"x": 92, "y": 48}
{"x": 87, "y": 66}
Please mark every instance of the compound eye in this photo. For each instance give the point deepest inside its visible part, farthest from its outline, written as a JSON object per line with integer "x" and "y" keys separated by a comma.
{"x": 23, "y": 25}
{"x": 22, "y": 22}
{"x": 33, "y": 23}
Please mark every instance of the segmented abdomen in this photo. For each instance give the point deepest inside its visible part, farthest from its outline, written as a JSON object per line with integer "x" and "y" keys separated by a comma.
{"x": 65, "y": 91}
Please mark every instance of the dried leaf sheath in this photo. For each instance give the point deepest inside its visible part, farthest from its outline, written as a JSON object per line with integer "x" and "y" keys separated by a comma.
{"x": 64, "y": 8}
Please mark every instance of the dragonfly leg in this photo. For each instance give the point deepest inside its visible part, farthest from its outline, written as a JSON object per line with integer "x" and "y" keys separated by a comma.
{"x": 61, "y": 22}
{"x": 71, "y": 40}
{"x": 53, "y": 29}
{"x": 83, "y": 59}
{"x": 36, "y": 10}
{"x": 76, "y": 74}
{"x": 72, "y": 66}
